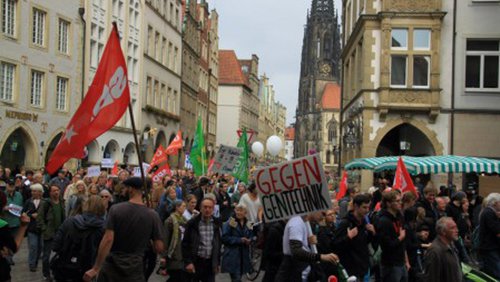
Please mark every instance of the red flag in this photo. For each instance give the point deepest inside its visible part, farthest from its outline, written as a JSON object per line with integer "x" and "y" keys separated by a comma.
{"x": 114, "y": 171}
{"x": 107, "y": 99}
{"x": 161, "y": 172}
{"x": 175, "y": 145}
{"x": 402, "y": 179}
{"x": 211, "y": 164}
{"x": 158, "y": 157}
{"x": 343, "y": 186}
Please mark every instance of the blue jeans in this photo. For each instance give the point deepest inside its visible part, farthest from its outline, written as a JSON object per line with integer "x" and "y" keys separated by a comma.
{"x": 47, "y": 249}
{"x": 393, "y": 273}
{"x": 235, "y": 277}
{"x": 490, "y": 260}
{"x": 35, "y": 249}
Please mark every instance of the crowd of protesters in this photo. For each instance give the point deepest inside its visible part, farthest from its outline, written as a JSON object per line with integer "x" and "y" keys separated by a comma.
{"x": 191, "y": 228}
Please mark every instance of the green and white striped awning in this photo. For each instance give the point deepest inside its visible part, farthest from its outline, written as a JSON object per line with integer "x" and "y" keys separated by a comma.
{"x": 426, "y": 165}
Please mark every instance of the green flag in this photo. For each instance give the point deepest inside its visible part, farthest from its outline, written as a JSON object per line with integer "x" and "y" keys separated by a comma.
{"x": 241, "y": 169}
{"x": 198, "y": 156}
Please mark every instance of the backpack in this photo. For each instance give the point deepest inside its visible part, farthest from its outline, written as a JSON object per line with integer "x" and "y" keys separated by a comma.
{"x": 75, "y": 256}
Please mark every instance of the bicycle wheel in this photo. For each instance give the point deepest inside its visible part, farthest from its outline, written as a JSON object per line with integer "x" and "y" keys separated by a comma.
{"x": 255, "y": 259}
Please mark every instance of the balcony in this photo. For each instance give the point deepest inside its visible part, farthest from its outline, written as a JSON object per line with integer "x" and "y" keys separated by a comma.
{"x": 409, "y": 100}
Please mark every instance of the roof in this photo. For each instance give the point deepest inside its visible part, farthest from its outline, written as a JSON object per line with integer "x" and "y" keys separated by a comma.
{"x": 331, "y": 96}
{"x": 230, "y": 68}
{"x": 433, "y": 164}
{"x": 290, "y": 133}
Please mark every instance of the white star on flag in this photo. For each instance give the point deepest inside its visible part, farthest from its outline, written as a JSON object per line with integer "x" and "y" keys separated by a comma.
{"x": 69, "y": 133}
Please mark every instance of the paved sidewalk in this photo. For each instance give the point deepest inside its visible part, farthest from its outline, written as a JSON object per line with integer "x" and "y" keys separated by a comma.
{"x": 20, "y": 272}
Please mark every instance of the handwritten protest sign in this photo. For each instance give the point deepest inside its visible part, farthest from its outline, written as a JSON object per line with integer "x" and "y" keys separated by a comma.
{"x": 226, "y": 159}
{"x": 93, "y": 171}
{"x": 292, "y": 188}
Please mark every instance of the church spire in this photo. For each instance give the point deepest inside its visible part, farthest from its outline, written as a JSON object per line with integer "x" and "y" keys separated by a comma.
{"x": 322, "y": 8}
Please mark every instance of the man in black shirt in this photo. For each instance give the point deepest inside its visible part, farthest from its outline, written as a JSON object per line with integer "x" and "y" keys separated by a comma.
{"x": 129, "y": 228}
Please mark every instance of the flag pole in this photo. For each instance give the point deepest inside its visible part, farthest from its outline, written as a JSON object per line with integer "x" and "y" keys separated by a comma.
{"x": 131, "y": 112}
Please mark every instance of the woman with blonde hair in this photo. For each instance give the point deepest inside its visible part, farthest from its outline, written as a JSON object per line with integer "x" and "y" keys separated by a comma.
{"x": 74, "y": 203}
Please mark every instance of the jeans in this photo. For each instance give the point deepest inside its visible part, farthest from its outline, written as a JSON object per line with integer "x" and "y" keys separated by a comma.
{"x": 393, "y": 273}
{"x": 47, "y": 249}
{"x": 35, "y": 249}
{"x": 204, "y": 270}
{"x": 235, "y": 277}
{"x": 490, "y": 260}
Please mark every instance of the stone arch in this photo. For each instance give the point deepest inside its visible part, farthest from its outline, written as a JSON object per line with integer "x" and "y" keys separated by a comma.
{"x": 112, "y": 151}
{"x": 161, "y": 139}
{"x": 393, "y": 123}
{"x": 130, "y": 154}
{"x": 52, "y": 143}
{"x": 21, "y": 137}
{"x": 92, "y": 155}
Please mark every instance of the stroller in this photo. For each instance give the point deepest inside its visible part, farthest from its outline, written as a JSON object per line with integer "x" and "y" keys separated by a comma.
{"x": 473, "y": 275}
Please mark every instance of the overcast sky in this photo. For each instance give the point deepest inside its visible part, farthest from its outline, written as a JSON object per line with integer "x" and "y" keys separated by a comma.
{"x": 273, "y": 30}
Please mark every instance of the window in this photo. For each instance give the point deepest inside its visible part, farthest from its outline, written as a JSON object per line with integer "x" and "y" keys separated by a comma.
{"x": 7, "y": 73}
{"x": 157, "y": 46}
{"x": 149, "y": 42}
{"x": 156, "y": 96}
{"x": 163, "y": 97}
{"x": 421, "y": 70}
{"x": 176, "y": 53}
{"x": 63, "y": 36}
{"x": 9, "y": 17}
{"x": 482, "y": 64}
{"x": 163, "y": 52}
{"x": 61, "y": 93}
{"x": 37, "y": 78}
{"x": 38, "y": 27}
{"x": 398, "y": 71}
{"x": 148, "y": 90}
{"x": 399, "y": 39}
{"x": 421, "y": 39}
{"x": 410, "y": 59}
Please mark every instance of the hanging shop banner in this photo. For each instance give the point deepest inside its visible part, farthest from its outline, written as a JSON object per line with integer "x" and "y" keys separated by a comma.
{"x": 296, "y": 187}
{"x": 226, "y": 159}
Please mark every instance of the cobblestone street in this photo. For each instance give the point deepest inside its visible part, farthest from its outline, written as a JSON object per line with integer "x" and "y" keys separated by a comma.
{"x": 20, "y": 272}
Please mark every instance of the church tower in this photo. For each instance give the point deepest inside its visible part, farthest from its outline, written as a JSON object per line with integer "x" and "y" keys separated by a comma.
{"x": 320, "y": 65}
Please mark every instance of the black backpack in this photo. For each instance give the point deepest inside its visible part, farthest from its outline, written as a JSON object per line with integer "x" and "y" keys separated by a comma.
{"x": 75, "y": 256}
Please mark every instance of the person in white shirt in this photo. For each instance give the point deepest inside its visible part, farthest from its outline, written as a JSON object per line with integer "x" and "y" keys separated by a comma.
{"x": 34, "y": 236}
{"x": 252, "y": 202}
{"x": 298, "y": 256}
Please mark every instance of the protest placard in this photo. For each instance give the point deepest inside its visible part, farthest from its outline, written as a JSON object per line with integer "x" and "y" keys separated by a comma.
{"x": 137, "y": 170}
{"x": 226, "y": 159}
{"x": 107, "y": 163}
{"x": 292, "y": 188}
{"x": 93, "y": 171}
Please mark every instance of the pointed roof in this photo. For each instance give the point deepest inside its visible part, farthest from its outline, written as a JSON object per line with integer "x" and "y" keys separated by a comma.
{"x": 330, "y": 100}
{"x": 230, "y": 69}
{"x": 290, "y": 133}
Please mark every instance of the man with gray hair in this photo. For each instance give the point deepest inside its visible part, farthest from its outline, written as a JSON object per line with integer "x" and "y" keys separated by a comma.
{"x": 441, "y": 260}
{"x": 489, "y": 236}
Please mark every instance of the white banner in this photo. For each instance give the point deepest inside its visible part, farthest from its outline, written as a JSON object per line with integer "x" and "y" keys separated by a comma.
{"x": 226, "y": 159}
{"x": 93, "y": 171}
{"x": 107, "y": 163}
{"x": 292, "y": 188}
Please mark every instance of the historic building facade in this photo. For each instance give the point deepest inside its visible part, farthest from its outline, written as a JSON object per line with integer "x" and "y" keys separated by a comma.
{"x": 237, "y": 103}
{"x": 393, "y": 89}
{"x": 161, "y": 76}
{"x": 272, "y": 115}
{"x": 213, "y": 81}
{"x": 319, "y": 67}
{"x": 330, "y": 124}
{"x": 40, "y": 78}
{"x": 289, "y": 139}
{"x": 190, "y": 72}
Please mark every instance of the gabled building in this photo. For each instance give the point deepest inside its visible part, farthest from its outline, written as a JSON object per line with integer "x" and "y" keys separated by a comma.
{"x": 237, "y": 104}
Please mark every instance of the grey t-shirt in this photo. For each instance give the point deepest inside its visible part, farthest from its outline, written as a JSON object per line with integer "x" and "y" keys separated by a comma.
{"x": 134, "y": 225}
